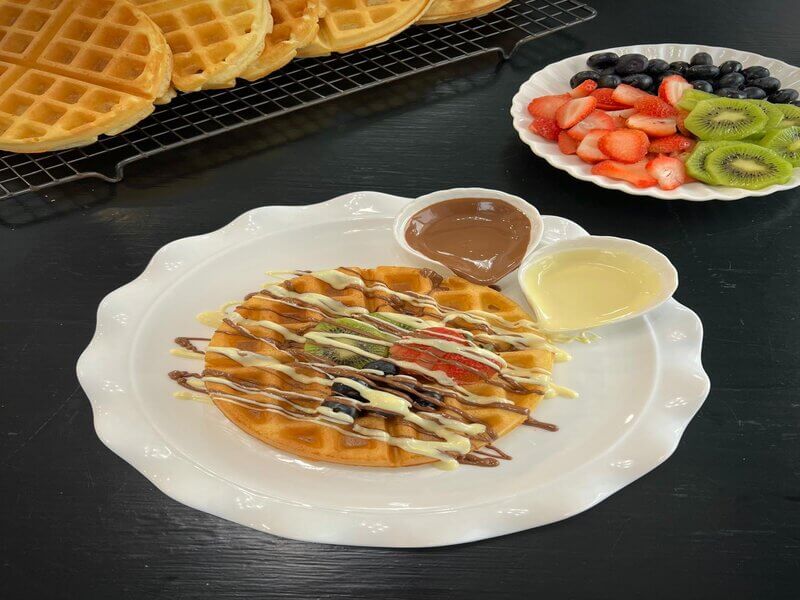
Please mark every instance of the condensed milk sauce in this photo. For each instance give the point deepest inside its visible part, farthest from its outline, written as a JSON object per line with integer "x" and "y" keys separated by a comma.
{"x": 479, "y": 239}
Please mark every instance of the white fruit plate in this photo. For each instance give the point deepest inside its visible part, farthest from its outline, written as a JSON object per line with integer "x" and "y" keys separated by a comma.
{"x": 640, "y": 386}
{"x": 554, "y": 79}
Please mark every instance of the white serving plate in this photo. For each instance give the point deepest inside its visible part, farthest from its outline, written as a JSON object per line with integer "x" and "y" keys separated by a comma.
{"x": 554, "y": 79}
{"x": 628, "y": 420}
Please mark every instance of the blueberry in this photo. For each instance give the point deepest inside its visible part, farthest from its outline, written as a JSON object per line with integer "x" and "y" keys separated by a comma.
{"x": 629, "y": 64}
{"x": 729, "y": 93}
{"x": 609, "y": 81}
{"x": 768, "y": 84}
{"x": 705, "y": 72}
{"x": 435, "y": 396}
{"x": 731, "y": 80}
{"x": 384, "y": 366}
{"x": 340, "y": 407}
{"x": 639, "y": 80}
{"x": 784, "y": 96}
{"x": 795, "y": 102}
{"x": 602, "y": 60}
{"x": 657, "y": 67}
{"x": 754, "y": 93}
{"x": 679, "y": 66}
{"x": 607, "y": 71}
{"x": 756, "y": 72}
{"x": 579, "y": 78}
{"x": 702, "y": 58}
{"x": 346, "y": 391}
{"x": 730, "y": 66}
{"x": 702, "y": 85}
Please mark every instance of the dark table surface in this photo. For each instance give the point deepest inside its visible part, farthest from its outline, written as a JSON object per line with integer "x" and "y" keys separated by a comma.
{"x": 720, "y": 519}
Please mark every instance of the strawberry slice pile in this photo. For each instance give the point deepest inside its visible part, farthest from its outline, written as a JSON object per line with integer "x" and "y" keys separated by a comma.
{"x": 459, "y": 368}
{"x": 624, "y": 133}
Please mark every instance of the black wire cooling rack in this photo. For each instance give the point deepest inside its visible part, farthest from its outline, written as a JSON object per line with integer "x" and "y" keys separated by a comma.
{"x": 191, "y": 117}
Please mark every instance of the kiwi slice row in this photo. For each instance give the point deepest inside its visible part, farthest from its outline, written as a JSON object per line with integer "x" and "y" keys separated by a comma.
{"x": 738, "y": 164}
{"x": 725, "y": 119}
{"x": 784, "y": 142}
{"x": 341, "y": 356}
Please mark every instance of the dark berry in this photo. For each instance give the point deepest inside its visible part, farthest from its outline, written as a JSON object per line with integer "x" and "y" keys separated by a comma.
{"x": 730, "y": 66}
{"x": 384, "y": 366}
{"x": 729, "y": 93}
{"x": 768, "y": 84}
{"x": 435, "y": 399}
{"x": 795, "y": 102}
{"x": 579, "y": 78}
{"x": 629, "y": 64}
{"x": 754, "y": 93}
{"x": 756, "y": 72}
{"x": 347, "y": 391}
{"x": 702, "y": 58}
{"x": 340, "y": 407}
{"x": 609, "y": 81}
{"x": 702, "y": 85}
{"x": 784, "y": 96}
{"x": 602, "y": 60}
{"x": 705, "y": 72}
{"x": 607, "y": 71}
{"x": 679, "y": 66}
{"x": 731, "y": 80}
{"x": 657, "y": 67}
{"x": 640, "y": 80}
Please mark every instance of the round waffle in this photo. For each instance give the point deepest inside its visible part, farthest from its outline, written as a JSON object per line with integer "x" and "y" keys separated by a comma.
{"x": 240, "y": 389}
{"x": 351, "y": 24}
{"x": 71, "y": 70}
{"x": 295, "y": 25}
{"x": 447, "y": 11}
{"x": 212, "y": 41}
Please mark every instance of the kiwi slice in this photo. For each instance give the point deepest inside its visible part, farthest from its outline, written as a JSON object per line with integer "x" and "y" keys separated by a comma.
{"x": 784, "y": 142}
{"x": 690, "y": 98}
{"x": 774, "y": 115}
{"x": 725, "y": 119}
{"x": 747, "y": 166}
{"x": 696, "y": 163}
{"x": 344, "y": 357}
{"x": 791, "y": 115}
{"x": 388, "y": 318}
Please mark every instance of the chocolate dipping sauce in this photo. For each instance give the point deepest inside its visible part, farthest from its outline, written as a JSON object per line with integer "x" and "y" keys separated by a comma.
{"x": 479, "y": 239}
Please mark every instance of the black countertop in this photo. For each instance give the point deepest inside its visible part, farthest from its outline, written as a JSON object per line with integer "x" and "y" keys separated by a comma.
{"x": 720, "y": 519}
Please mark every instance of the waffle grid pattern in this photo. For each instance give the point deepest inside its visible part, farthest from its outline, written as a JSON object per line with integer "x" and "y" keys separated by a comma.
{"x": 192, "y": 117}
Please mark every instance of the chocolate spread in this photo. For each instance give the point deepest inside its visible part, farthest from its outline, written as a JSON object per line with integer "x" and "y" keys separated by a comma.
{"x": 479, "y": 239}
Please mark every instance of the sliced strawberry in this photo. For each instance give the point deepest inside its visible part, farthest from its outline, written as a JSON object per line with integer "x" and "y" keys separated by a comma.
{"x": 584, "y": 89}
{"x": 679, "y": 119}
{"x": 635, "y": 173}
{"x": 588, "y": 150}
{"x": 460, "y": 368}
{"x": 575, "y": 111}
{"x": 624, "y": 112}
{"x": 654, "y": 107}
{"x": 672, "y": 88}
{"x": 547, "y": 128}
{"x": 566, "y": 144}
{"x": 669, "y": 172}
{"x": 626, "y": 145}
{"x": 597, "y": 119}
{"x": 670, "y": 144}
{"x": 604, "y": 101}
{"x": 653, "y": 126}
{"x": 627, "y": 94}
{"x": 546, "y": 106}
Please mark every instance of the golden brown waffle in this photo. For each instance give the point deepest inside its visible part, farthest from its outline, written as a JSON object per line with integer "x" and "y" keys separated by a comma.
{"x": 318, "y": 442}
{"x": 447, "y": 11}
{"x": 212, "y": 41}
{"x": 351, "y": 24}
{"x": 71, "y": 70}
{"x": 295, "y": 25}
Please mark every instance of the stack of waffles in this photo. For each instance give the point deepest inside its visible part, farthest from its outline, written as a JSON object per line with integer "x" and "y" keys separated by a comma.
{"x": 71, "y": 70}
